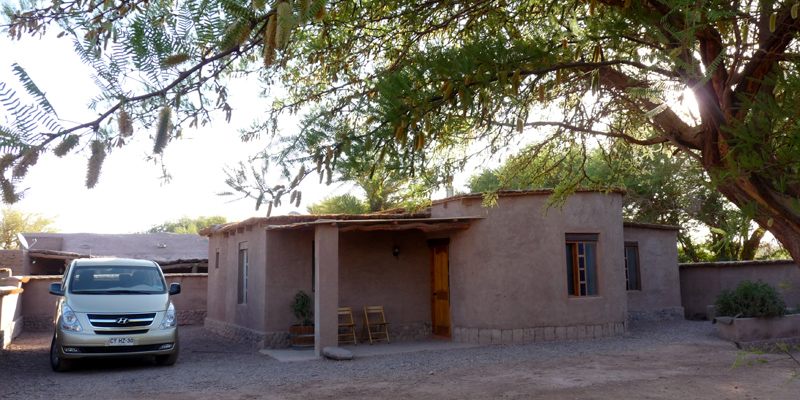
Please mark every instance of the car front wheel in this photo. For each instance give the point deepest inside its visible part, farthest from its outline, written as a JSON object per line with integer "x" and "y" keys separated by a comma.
{"x": 57, "y": 363}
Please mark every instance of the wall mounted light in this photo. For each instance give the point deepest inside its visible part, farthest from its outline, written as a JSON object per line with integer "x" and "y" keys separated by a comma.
{"x": 396, "y": 251}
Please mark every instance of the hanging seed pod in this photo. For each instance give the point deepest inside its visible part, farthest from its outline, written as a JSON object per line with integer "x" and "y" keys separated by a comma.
{"x": 124, "y": 122}
{"x": 577, "y": 53}
{"x": 722, "y": 28}
{"x": 95, "y": 163}
{"x": 560, "y": 58}
{"x": 9, "y": 195}
{"x": 30, "y": 159}
{"x": 284, "y": 28}
{"x": 6, "y": 161}
{"x": 299, "y": 176}
{"x": 66, "y": 145}
{"x": 448, "y": 90}
{"x": 516, "y": 77}
{"x": 519, "y": 125}
{"x": 592, "y": 8}
{"x": 244, "y": 33}
{"x": 558, "y": 77}
{"x": 541, "y": 93}
{"x": 564, "y": 43}
{"x": 302, "y": 9}
{"x": 467, "y": 80}
{"x": 773, "y": 20}
{"x": 598, "y": 53}
{"x": 162, "y": 130}
{"x": 269, "y": 209}
{"x": 745, "y": 32}
{"x": 297, "y": 198}
{"x": 420, "y": 141}
{"x": 794, "y": 10}
{"x": 269, "y": 41}
{"x": 176, "y": 59}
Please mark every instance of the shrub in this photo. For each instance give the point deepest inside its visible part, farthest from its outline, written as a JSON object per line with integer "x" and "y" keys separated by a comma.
{"x": 750, "y": 300}
{"x": 301, "y": 308}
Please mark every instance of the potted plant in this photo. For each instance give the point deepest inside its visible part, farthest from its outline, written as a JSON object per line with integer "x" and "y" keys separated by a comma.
{"x": 302, "y": 334}
{"x": 754, "y": 312}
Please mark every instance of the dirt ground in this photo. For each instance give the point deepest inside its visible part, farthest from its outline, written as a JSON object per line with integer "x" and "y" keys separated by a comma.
{"x": 688, "y": 363}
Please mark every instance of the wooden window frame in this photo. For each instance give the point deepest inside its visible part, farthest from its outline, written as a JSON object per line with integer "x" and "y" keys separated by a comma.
{"x": 574, "y": 240}
{"x": 638, "y": 288}
{"x": 242, "y": 273}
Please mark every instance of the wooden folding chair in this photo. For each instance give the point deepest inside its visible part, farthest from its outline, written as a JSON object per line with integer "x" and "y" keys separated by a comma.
{"x": 346, "y": 323}
{"x": 373, "y": 317}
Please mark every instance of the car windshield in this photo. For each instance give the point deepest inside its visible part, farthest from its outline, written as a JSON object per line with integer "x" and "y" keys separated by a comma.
{"x": 116, "y": 280}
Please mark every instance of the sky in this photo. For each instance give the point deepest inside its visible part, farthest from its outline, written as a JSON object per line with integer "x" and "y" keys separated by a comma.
{"x": 129, "y": 196}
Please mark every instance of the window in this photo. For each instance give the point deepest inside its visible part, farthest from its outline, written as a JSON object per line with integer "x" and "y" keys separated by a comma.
{"x": 581, "y": 264}
{"x": 243, "y": 273}
{"x": 632, "y": 281}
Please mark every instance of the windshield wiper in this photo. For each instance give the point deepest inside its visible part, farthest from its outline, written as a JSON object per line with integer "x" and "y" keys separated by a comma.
{"x": 132, "y": 292}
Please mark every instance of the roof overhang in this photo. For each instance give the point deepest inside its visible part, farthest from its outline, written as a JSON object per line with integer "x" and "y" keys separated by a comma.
{"x": 393, "y": 224}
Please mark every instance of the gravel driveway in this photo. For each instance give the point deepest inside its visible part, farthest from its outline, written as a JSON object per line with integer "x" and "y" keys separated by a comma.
{"x": 680, "y": 359}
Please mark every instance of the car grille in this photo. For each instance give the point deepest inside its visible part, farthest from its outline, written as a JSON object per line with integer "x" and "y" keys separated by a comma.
{"x": 119, "y": 349}
{"x": 117, "y": 332}
{"x": 121, "y": 320}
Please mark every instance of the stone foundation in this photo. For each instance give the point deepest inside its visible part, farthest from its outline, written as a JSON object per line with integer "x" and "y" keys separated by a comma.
{"x": 282, "y": 340}
{"x": 538, "y": 334}
{"x": 38, "y": 323}
{"x": 191, "y": 317}
{"x": 251, "y": 337}
{"x": 660, "y": 314}
{"x": 409, "y": 331}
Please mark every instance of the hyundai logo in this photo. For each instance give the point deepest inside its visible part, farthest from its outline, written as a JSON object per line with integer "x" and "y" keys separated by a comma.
{"x": 122, "y": 321}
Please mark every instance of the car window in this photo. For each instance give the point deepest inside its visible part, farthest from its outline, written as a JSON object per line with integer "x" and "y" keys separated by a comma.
{"x": 116, "y": 279}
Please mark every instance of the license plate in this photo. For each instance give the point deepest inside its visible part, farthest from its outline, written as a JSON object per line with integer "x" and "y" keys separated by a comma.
{"x": 120, "y": 341}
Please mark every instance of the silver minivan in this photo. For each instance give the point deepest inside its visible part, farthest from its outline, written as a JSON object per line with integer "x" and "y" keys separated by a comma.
{"x": 113, "y": 307}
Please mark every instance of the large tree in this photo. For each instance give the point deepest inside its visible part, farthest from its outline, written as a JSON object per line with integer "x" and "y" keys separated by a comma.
{"x": 188, "y": 225}
{"x": 418, "y": 86}
{"x": 15, "y": 221}
{"x": 661, "y": 189}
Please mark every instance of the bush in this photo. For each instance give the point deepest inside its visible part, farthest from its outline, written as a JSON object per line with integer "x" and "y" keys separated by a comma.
{"x": 301, "y": 308}
{"x": 750, "y": 300}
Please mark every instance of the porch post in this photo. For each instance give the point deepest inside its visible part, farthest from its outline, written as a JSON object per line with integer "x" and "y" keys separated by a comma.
{"x": 326, "y": 287}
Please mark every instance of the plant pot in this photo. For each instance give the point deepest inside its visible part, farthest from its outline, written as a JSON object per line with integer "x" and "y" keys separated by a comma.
{"x": 750, "y": 331}
{"x": 302, "y": 337}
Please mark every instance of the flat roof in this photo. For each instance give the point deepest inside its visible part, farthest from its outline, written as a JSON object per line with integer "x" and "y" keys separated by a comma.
{"x": 384, "y": 224}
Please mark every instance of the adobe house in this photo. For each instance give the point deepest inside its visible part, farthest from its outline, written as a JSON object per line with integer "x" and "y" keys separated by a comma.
{"x": 50, "y": 253}
{"x": 459, "y": 270}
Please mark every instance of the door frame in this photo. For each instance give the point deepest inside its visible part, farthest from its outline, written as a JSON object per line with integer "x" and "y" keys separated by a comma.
{"x": 432, "y": 244}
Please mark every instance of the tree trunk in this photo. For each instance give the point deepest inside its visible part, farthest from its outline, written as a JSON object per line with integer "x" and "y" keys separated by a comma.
{"x": 750, "y": 246}
{"x": 772, "y": 214}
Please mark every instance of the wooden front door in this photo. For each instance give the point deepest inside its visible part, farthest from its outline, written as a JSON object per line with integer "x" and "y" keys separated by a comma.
{"x": 440, "y": 290}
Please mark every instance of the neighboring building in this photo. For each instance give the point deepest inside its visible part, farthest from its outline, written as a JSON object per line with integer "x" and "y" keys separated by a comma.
{"x": 49, "y": 253}
{"x": 459, "y": 270}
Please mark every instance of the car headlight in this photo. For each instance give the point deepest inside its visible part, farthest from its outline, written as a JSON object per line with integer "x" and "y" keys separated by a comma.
{"x": 170, "y": 320}
{"x": 69, "y": 321}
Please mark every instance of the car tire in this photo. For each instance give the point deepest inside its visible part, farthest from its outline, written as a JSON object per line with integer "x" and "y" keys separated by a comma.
{"x": 167, "y": 360}
{"x": 57, "y": 363}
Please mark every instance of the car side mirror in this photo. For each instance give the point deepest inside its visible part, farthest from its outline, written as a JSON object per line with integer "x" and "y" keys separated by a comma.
{"x": 55, "y": 288}
{"x": 174, "y": 288}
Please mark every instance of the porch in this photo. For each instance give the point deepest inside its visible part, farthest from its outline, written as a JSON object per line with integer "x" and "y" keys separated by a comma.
{"x": 386, "y": 262}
